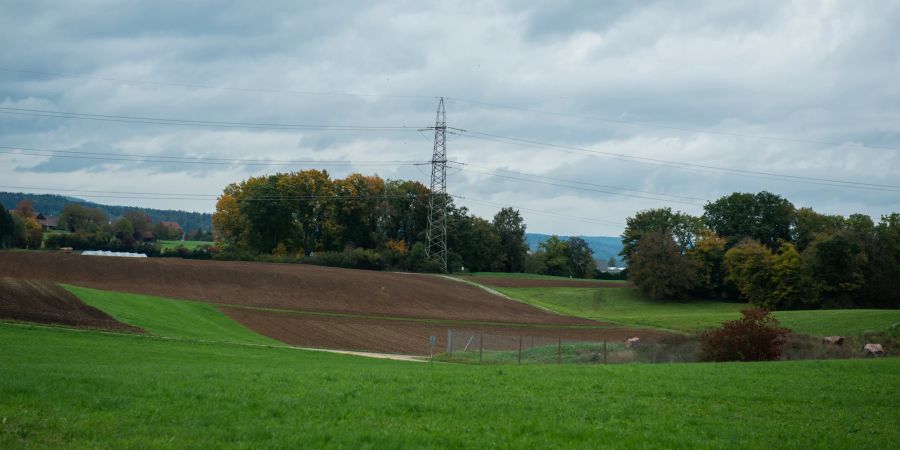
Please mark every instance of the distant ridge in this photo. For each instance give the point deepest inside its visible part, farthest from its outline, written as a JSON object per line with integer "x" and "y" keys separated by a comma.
{"x": 52, "y": 205}
{"x": 603, "y": 246}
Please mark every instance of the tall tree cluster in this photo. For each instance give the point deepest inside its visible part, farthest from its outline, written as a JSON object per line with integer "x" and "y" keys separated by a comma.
{"x": 571, "y": 257}
{"x": 763, "y": 249}
{"x": 91, "y": 228}
{"x": 302, "y": 214}
{"x": 19, "y": 228}
{"x": 7, "y": 229}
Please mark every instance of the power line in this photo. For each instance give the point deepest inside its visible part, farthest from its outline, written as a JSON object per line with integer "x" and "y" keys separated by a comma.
{"x": 540, "y": 212}
{"x": 189, "y": 122}
{"x": 470, "y": 133}
{"x": 229, "y": 161}
{"x": 539, "y": 179}
{"x": 223, "y": 88}
{"x": 478, "y": 135}
{"x": 36, "y": 152}
{"x": 226, "y": 161}
{"x": 666, "y": 127}
{"x": 131, "y": 195}
{"x": 457, "y": 99}
{"x": 682, "y": 165}
{"x": 207, "y": 197}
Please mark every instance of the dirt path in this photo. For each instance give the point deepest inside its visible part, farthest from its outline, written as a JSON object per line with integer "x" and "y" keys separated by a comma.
{"x": 534, "y": 283}
{"x": 391, "y": 356}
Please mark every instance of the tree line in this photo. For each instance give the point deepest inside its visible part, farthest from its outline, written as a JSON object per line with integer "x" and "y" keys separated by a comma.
{"x": 53, "y": 205}
{"x": 83, "y": 227}
{"x": 765, "y": 250}
{"x": 358, "y": 221}
{"x": 571, "y": 257}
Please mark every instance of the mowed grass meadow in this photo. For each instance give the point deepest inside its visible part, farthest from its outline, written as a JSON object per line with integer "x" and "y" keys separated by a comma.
{"x": 180, "y": 319}
{"x": 86, "y": 389}
{"x": 201, "y": 380}
{"x": 190, "y": 245}
{"x": 533, "y": 276}
{"x": 629, "y": 306}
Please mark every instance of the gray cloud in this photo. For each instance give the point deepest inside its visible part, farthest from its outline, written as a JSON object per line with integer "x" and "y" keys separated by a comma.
{"x": 633, "y": 78}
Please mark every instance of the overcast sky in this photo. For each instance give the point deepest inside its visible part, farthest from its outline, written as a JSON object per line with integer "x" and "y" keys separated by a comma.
{"x": 642, "y": 103}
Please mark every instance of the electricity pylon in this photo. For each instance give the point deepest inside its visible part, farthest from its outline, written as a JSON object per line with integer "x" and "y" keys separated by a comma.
{"x": 436, "y": 235}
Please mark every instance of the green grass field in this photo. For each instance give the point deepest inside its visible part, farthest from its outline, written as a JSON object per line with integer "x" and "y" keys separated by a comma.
{"x": 77, "y": 389}
{"x": 532, "y": 276}
{"x": 170, "y": 318}
{"x": 629, "y": 306}
{"x": 190, "y": 245}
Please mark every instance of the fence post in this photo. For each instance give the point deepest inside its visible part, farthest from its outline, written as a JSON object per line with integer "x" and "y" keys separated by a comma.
{"x": 520, "y": 349}
{"x": 653, "y": 360}
{"x": 449, "y": 345}
{"x": 480, "y": 346}
{"x": 604, "y": 351}
{"x": 559, "y": 350}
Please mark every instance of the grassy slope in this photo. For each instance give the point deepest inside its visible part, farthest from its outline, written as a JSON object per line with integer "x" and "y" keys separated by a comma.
{"x": 628, "y": 306}
{"x": 190, "y": 245}
{"x": 170, "y": 318}
{"x": 532, "y": 276}
{"x": 60, "y": 388}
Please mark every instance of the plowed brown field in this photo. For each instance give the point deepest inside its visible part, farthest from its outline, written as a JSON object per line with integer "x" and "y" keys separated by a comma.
{"x": 284, "y": 286}
{"x": 365, "y": 300}
{"x": 529, "y": 283}
{"x": 409, "y": 337}
{"x": 45, "y": 302}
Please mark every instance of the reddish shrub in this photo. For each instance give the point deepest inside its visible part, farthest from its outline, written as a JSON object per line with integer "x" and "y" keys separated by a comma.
{"x": 756, "y": 336}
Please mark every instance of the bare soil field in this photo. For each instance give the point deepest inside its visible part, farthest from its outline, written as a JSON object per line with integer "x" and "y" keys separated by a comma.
{"x": 45, "y": 302}
{"x": 283, "y": 286}
{"x": 410, "y": 337}
{"x": 528, "y": 283}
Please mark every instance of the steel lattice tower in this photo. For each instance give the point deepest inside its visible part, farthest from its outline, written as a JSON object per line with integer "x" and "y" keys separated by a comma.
{"x": 436, "y": 235}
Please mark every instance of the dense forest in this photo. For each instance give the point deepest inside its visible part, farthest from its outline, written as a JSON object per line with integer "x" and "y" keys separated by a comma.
{"x": 765, "y": 250}
{"x": 358, "y": 221}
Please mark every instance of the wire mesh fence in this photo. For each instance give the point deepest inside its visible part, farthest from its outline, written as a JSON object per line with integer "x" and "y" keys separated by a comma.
{"x": 491, "y": 348}
{"x": 515, "y": 347}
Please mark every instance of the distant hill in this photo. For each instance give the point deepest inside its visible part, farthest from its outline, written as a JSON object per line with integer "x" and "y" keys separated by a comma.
{"x": 52, "y": 205}
{"x": 603, "y": 246}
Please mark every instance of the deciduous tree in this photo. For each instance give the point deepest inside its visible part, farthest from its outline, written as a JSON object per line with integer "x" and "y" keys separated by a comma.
{"x": 555, "y": 261}
{"x": 809, "y": 224}
{"x": 883, "y": 271}
{"x": 681, "y": 226}
{"x": 511, "y": 228}
{"x": 659, "y": 268}
{"x": 764, "y": 216}
{"x": 7, "y": 228}
{"x": 837, "y": 264}
{"x": 25, "y": 209}
{"x": 140, "y": 222}
{"x": 709, "y": 252}
{"x": 792, "y": 287}
{"x": 580, "y": 258}
{"x": 75, "y": 217}
{"x": 749, "y": 266}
